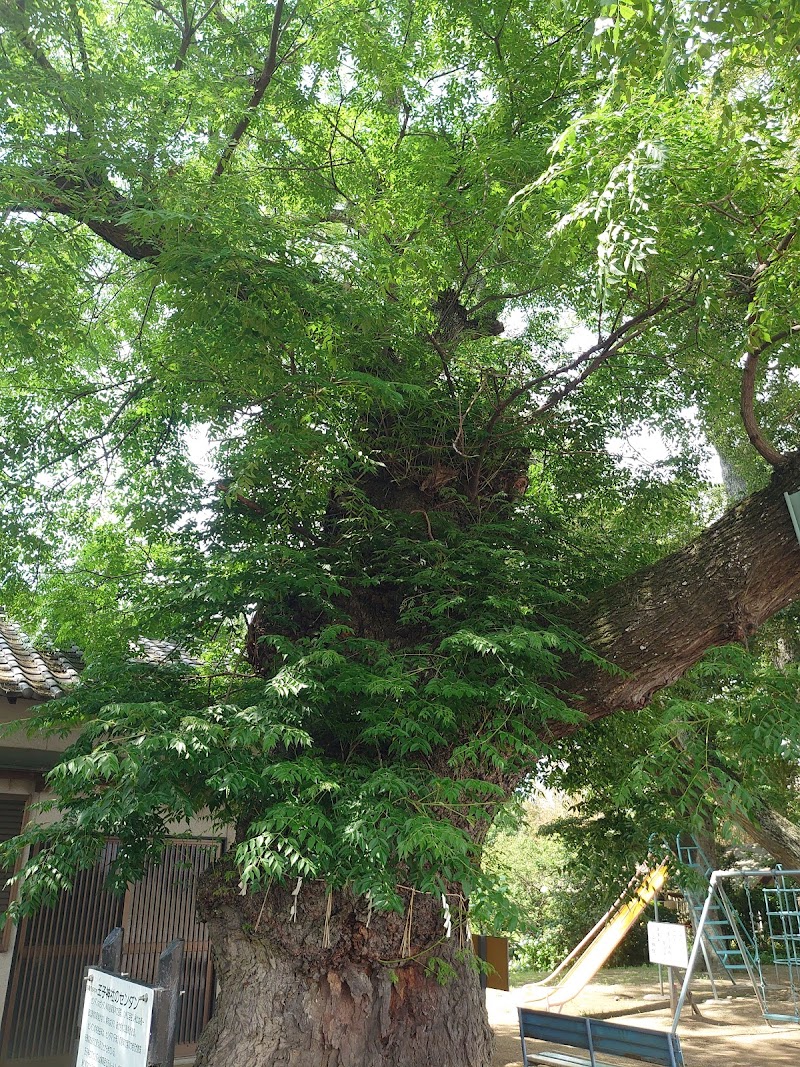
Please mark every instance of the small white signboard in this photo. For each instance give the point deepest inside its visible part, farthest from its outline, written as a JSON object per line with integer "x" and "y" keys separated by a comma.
{"x": 115, "y": 1026}
{"x": 667, "y": 944}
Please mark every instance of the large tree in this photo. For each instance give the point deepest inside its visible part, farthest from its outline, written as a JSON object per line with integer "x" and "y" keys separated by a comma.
{"x": 409, "y": 272}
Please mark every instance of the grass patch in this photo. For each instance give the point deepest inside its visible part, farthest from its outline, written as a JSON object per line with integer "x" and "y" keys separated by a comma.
{"x": 632, "y": 976}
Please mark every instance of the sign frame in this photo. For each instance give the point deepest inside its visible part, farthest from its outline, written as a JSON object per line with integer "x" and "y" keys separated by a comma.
{"x": 166, "y": 997}
{"x": 667, "y": 944}
{"x": 116, "y": 1021}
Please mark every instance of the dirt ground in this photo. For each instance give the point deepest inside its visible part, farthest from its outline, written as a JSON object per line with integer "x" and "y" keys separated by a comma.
{"x": 731, "y": 1031}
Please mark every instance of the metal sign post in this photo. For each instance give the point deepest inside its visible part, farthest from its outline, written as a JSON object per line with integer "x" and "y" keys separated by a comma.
{"x": 666, "y": 943}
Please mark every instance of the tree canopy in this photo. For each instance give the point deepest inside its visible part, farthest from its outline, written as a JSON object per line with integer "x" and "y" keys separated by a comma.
{"x": 325, "y": 326}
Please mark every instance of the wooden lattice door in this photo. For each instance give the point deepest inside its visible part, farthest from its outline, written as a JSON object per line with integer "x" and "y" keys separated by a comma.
{"x": 162, "y": 907}
{"x": 53, "y": 948}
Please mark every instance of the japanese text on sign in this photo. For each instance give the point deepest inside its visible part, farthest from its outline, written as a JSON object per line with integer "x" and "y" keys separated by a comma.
{"x": 667, "y": 944}
{"x": 115, "y": 1026}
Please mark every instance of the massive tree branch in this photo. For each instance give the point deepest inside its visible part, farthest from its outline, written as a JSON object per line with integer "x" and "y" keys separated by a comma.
{"x": 655, "y": 624}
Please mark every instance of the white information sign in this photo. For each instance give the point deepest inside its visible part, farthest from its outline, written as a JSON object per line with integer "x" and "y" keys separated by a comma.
{"x": 115, "y": 1026}
{"x": 667, "y": 944}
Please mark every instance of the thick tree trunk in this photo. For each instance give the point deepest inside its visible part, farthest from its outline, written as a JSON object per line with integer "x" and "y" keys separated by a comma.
{"x": 355, "y": 990}
{"x": 767, "y": 828}
{"x": 773, "y": 831}
{"x": 653, "y": 626}
{"x": 761, "y": 823}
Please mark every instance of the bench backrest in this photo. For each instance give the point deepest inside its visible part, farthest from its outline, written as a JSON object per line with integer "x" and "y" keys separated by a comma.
{"x": 559, "y": 1029}
{"x": 597, "y": 1035}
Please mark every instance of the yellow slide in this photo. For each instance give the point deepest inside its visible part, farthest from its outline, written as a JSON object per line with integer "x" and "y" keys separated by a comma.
{"x": 603, "y": 945}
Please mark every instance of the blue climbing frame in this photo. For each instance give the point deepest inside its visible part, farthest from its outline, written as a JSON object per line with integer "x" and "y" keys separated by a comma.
{"x": 782, "y": 913}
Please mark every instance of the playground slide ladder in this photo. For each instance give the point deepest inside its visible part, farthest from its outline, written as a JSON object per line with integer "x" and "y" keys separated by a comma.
{"x": 723, "y": 932}
{"x": 782, "y": 930}
{"x": 782, "y": 907}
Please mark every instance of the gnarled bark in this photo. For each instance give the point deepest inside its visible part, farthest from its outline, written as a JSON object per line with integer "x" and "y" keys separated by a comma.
{"x": 653, "y": 626}
{"x": 352, "y": 990}
{"x": 774, "y": 832}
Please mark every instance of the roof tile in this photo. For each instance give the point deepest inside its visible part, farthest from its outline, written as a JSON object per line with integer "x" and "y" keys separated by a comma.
{"x": 38, "y": 674}
{"x": 29, "y": 672}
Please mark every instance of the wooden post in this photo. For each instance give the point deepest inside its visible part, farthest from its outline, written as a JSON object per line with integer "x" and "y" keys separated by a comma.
{"x": 166, "y": 1010}
{"x": 111, "y": 952}
{"x": 110, "y": 960}
{"x": 482, "y": 958}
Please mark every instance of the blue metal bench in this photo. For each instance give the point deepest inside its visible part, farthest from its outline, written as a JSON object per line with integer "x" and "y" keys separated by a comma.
{"x": 595, "y": 1036}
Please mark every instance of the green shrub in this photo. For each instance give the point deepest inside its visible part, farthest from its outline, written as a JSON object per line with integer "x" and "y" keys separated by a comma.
{"x": 554, "y": 898}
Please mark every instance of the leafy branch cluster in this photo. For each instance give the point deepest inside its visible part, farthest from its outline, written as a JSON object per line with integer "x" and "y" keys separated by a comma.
{"x": 409, "y": 274}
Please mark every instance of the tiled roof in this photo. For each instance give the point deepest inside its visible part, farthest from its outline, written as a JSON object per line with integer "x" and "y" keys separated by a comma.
{"x": 29, "y": 672}
{"x": 158, "y": 652}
